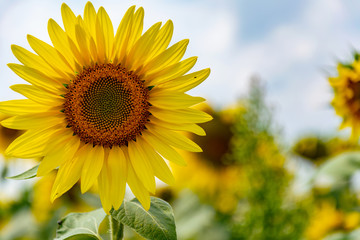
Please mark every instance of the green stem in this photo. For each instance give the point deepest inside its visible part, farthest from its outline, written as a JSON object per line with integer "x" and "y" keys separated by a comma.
{"x": 116, "y": 229}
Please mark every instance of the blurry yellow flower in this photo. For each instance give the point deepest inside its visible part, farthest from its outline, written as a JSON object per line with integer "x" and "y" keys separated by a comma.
{"x": 6, "y": 135}
{"x": 351, "y": 220}
{"x": 210, "y": 174}
{"x": 105, "y": 108}
{"x": 346, "y": 101}
{"x": 326, "y": 218}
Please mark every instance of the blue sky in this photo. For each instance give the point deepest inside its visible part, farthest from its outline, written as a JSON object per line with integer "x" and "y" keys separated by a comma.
{"x": 292, "y": 45}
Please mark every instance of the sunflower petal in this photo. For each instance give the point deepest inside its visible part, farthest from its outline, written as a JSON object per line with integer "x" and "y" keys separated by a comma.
{"x": 173, "y": 138}
{"x": 138, "y": 188}
{"x": 64, "y": 151}
{"x": 187, "y": 115}
{"x": 69, "y": 173}
{"x": 90, "y": 18}
{"x": 32, "y": 60}
{"x": 140, "y": 51}
{"x": 36, "y": 78}
{"x": 188, "y": 127}
{"x": 51, "y": 56}
{"x": 31, "y": 144}
{"x": 118, "y": 168}
{"x": 161, "y": 169}
{"x": 21, "y": 106}
{"x": 187, "y": 82}
{"x": 171, "y": 72}
{"x": 94, "y": 159}
{"x": 104, "y": 33}
{"x": 38, "y": 95}
{"x": 172, "y": 100}
{"x": 136, "y": 29}
{"x": 162, "y": 40}
{"x": 33, "y": 121}
{"x": 163, "y": 148}
{"x": 105, "y": 187}
{"x": 69, "y": 20}
{"x": 142, "y": 166}
{"x": 169, "y": 57}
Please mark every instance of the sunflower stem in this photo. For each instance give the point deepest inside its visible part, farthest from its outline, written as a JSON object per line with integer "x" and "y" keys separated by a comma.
{"x": 116, "y": 229}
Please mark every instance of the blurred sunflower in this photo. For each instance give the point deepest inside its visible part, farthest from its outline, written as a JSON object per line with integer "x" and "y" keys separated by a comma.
{"x": 346, "y": 101}
{"x": 6, "y": 135}
{"x": 328, "y": 219}
{"x": 105, "y": 108}
{"x": 211, "y": 174}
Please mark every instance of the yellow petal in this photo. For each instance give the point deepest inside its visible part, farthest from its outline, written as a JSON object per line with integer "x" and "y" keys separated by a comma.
{"x": 138, "y": 188}
{"x": 31, "y": 144}
{"x": 136, "y": 29}
{"x": 34, "y": 121}
{"x": 174, "y": 138}
{"x": 94, "y": 158}
{"x": 66, "y": 148}
{"x": 162, "y": 40}
{"x": 187, "y": 82}
{"x": 142, "y": 166}
{"x": 122, "y": 35}
{"x": 118, "y": 169}
{"x": 37, "y": 78}
{"x": 38, "y": 95}
{"x": 83, "y": 42}
{"x": 69, "y": 20}
{"x": 105, "y": 189}
{"x": 161, "y": 169}
{"x": 90, "y": 18}
{"x": 141, "y": 49}
{"x": 61, "y": 42}
{"x": 22, "y": 106}
{"x": 52, "y": 57}
{"x": 188, "y": 127}
{"x": 32, "y": 60}
{"x": 169, "y": 57}
{"x": 69, "y": 173}
{"x": 163, "y": 148}
{"x": 172, "y": 100}
{"x": 104, "y": 34}
{"x": 171, "y": 72}
{"x": 187, "y": 115}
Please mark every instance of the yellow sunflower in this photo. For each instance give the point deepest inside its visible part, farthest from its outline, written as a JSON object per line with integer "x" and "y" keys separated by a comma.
{"x": 105, "y": 107}
{"x": 346, "y": 101}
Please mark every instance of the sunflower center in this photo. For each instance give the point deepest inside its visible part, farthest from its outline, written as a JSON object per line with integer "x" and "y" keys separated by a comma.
{"x": 353, "y": 101}
{"x": 107, "y": 105}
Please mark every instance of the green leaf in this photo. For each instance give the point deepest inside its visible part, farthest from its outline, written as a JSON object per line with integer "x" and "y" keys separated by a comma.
{"x": 80, "y": 225}
{"x": 340, "y": 168}
{"x": 31, "y": 173}
{"x": 157, "y": 223}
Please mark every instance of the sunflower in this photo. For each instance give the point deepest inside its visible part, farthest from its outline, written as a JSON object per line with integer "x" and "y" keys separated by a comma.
{"x": 346, "y": 101}
{"x": 105, "y": 107}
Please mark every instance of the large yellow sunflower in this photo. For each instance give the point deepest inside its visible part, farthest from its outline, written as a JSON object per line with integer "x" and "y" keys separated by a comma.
{"x": 105, "y": 107}
{"x": 346, "y": 101}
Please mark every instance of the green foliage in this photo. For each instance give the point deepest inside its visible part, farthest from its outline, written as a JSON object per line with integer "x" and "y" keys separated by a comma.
{"x": 81, "y": 225}
{"x": 157, "y": 223}
{"x": 264, "y": 212}
{"x": 31, "y": 173}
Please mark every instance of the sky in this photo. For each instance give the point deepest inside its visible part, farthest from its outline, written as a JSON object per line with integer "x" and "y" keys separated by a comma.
{"x": 293, "y": 46}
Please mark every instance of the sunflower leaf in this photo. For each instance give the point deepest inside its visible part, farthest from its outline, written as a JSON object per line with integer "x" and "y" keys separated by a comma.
{"x": 31, "y": 173}
{"x": 80, "y": 225}
{"x": 157, "y": 223}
